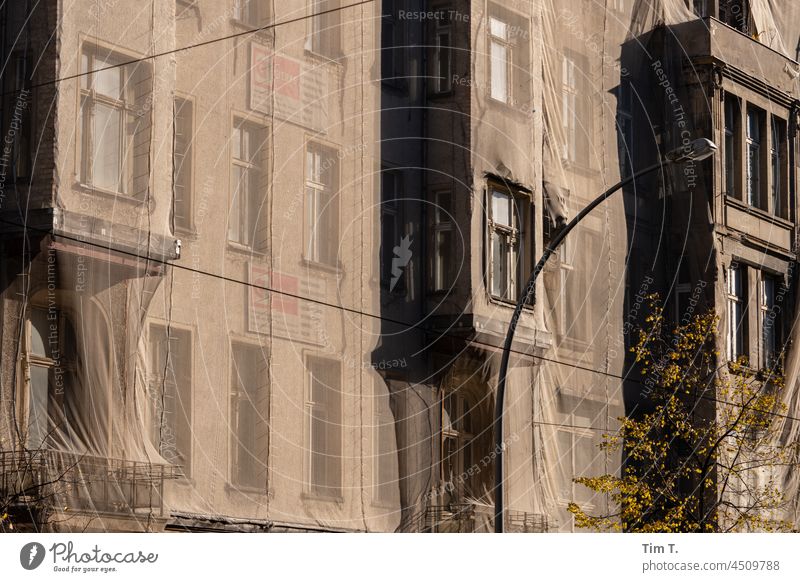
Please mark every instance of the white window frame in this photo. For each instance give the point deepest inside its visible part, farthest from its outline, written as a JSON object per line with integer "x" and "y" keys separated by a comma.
{"x": 321, "y": 205}
{"x": 244, "y": 206}
{"x": 515, "y": 236}
{"x": 769, "y": 325}
{"x": 323, "y": 36}
{"x": 754, "y": 180}
{"x": 500, "y": 41}
{"x": 126, "y": 106}
{"x": 736, "y": 290}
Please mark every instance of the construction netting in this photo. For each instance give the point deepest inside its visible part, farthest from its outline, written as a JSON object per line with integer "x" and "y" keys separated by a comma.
{"x": 225, "y": 302}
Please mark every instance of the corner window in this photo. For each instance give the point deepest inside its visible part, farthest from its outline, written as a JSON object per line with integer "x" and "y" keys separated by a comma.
{"x": 324, "y": 410}
{"x": 248, "y": 152}
{"x": 171, "y": 394}
{"x": 115, "y": 122}
{"x": 737, "y": 312}
{"x": 249, "y": 416}
{"x": 321, "y": 226}
{"x": 500, "y": 60}
{"x": 507, "y": 237}
{"x": 183, "y": 112}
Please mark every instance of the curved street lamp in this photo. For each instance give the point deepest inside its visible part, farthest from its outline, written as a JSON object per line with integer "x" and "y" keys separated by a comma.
{"x": 699, "y": 149}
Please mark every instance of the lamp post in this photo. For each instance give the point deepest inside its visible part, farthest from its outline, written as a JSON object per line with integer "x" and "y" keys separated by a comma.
{"x": 697, "y": 150}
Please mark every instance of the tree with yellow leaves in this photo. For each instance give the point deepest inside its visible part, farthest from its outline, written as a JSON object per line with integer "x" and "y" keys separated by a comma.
{"x": 705, "y": 454}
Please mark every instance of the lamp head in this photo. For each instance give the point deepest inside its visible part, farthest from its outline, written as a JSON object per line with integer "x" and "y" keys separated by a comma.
{"x": 698, "y": 150}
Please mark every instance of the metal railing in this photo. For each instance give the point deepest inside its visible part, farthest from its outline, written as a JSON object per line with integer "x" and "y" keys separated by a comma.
{"x": 83, "y": 482}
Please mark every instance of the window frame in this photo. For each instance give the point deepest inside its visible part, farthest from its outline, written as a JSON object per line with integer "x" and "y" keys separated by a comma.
{"x": 256, "y": 14}
{"x": 323, "y": 33}
{"x": 443, "y": 277}
{"x": 128, "y": 107}
{"x": 519, "y": 236}
{"x": 443, "y": 84}
{"x": 316, "y": 195}
{"x": 186, "y": 224}
{"x": 334, "y": 464}
{"x": 66, "y": 363}
{"x": 383, "y": 492}
{"x": 737, "y": 298}
{"x": 506, "y": 44}
{"x": 181, "y": 381}
{"x": 255, "y": 169}
{"x": 236, "y": 398}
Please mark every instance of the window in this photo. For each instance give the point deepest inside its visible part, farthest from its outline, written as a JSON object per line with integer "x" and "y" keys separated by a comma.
{"x": 457, "y": 450}
{"x": 324, "y": 406}
{"x": 625, "y": 120}
{"x": 392, "y": 44}
{"x": 15, "y": 104}
{"x": 443, "y": 55}
{"x": 115, "y": 122}
{"x": 321, "y": 205}
{"x": 49, "y": 363}
{"x": 507, "y": 215}
{"x": 171, "y": 393}
{"x": 248, "y": 149}
{"x": 249, "y": 416}
{"x": 737, "y": 312}
{"x": 769, "y": 321}
{"x": 736, "y": 14}
{"x": 732, "y": 121}
{"x": 683, "y": 292}
{"x": 778, "y": 174}
{"x": 385, "y": 450}
{"x": 253, "y": 13}
{"x": 569, "y": 108}
{"x": 753, "y": 169}
{"x": 445, "y": 257}
{"x": 700, "y": 8}
{"x": 395, "y": 246}
{"x": 323, "y": 36}
{"x": 182, "y": 164}
{"x": 500, "y": 60}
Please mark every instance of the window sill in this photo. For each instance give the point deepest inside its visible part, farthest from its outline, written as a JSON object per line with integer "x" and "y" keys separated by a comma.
{"x": 325, "y": 267}
{"x": 245, "y": 489}
{"x": 258, "y": 30}
{"x": 758, "y": 212}
{"x": 241, "y": 249}
{"x": 494, "y": 299}
{"x": 334, "y": 59}
{"x": 118, "y": 196}
{"x": 311, "y": 496}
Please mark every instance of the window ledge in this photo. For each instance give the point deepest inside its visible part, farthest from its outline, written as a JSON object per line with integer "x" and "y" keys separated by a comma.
{"x": 495, "y": 300}
{"x": 323, "y": 58}
{"x": 333, "y": 269}
{"x": 758, "y": 212}
{"x": 242, "y": 249}
{"x": 257, "y": 30}
{"x": 311, "y": 496}
{"x": 245, "y": 490}
{"x": 118, "y": 196}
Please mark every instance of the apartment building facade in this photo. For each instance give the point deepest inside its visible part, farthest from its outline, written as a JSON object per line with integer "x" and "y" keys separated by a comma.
{"x": 259, "y": 260}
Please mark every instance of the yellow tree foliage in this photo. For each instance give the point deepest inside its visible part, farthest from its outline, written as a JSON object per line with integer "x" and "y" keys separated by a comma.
{"x": 704, "y": 454}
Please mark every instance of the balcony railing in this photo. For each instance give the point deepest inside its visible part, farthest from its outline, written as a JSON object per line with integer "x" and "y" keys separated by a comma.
{"x": 84, "y": 483}
{"x": 477, "y": 518}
